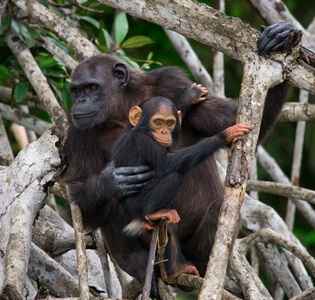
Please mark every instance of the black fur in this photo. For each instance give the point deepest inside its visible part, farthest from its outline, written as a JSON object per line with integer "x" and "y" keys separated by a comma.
{"x": 91, "y": 138}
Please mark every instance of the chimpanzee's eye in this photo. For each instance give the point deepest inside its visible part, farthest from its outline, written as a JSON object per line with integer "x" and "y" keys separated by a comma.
{"x": 157, "y": 122}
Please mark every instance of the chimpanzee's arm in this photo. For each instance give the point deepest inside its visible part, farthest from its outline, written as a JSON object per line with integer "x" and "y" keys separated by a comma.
{"x": 193, "y": 95}
{"x": 212, "y": 116}
{"x": 187, "y": 158}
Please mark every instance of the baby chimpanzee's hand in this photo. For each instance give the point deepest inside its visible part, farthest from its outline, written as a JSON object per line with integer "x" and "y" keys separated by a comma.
{"x": 236, "y": 130}
{"x": 202, "y": 92}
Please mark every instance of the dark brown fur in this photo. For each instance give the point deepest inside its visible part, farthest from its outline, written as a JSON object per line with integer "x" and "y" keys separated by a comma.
{"x": 88, "y": 152}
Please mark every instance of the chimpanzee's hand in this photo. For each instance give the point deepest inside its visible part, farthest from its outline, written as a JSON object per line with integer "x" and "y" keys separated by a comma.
{"x": 198, "y": 92}
{"x": 127, "y": 181}
{"x": 276, "y": 37}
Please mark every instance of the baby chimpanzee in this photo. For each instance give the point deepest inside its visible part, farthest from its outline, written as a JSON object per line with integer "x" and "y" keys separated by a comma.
{"x": 153, "y": 129}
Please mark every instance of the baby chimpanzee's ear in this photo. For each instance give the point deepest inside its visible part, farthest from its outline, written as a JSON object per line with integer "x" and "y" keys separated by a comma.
{"x": 179, "y": 116}
{"x": 135, "y": 115}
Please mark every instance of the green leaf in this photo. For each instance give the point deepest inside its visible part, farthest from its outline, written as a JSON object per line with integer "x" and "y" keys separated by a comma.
{"x": 121, "y": 27}
{"x": 54, "y": 73}
{"x": 66, "y": 96}
{"x": 89, "y": 20}
{"x": 46, "y": 62}
{"x": 32, "y": 32}
{"x": 5, "y": 73}
{"x": 136, "y": 42}
{"x": 20, "y": 91}
{"x": 150, "y": 55}
{"x": 6, "y": 22}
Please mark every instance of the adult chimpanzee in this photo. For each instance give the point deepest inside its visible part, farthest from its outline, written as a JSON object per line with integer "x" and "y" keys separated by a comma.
{"x": 103, "y": 90}
{"x": 152, "y": 131}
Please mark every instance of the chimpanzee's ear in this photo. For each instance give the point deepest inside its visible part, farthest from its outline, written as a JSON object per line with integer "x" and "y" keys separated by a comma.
{"x": 180, "y": 117}
{"x": 121, "y": 74}
{"x": 135, "y": 115}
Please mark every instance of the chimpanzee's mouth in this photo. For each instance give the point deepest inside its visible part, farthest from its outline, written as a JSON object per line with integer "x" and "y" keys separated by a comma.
{"x": 84, "y": 115}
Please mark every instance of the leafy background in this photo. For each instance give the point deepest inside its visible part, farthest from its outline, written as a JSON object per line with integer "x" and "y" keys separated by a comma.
{"x": 145, "y": 45}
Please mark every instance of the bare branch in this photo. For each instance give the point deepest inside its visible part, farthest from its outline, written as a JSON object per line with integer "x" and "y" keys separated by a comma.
{"x": 81, "y": 250}
{"x": 305, "y": 295}
{"x": 110, "y": 284}
{"x": 191, "y": 60}
{"x": 25, "y": 182}
{"x": 47, "y": 272}
{"x": 279, "y": 267}
{"x": 294, "y": 112}
{"x": 271, "y": 167}
{"x": 267, "y": 235}
{"x": 210, "y": 27}
{"x": 26, "y": 120}
{"x": 297, "y": 161}
{"x": 281, "y": 190}
{"x": 218, "y": 60}
{"x": 53, "y": 234}
{"x": 3, "y": 6}
{"x": 254, "y": 88}
{"x": 250, "y": 283}
{"x": 6, "y": 154}
{"x": 256, "y": 216}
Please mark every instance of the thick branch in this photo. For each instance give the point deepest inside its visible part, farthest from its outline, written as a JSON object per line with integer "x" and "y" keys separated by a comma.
{"x": 213, "y": 28}
{"x": 254, "y": 88}
{"x": 53, "y": 234}
{"x": 25, "y": 187}
{"x": 194, "y": 20}
{"x": 47, "y": 272}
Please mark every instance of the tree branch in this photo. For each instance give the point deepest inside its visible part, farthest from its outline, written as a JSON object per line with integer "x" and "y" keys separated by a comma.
{"x": 24, "y": 119}
{"x": 25, "y": 187}
{"x": 213, "y": 28}
{"x": 37, "y": 80}
{"x": 270, "y": 165}
{"x": 48, "y": 273}
{"x": 281, "y": 190}
{"x": 6, "y": 154}
{"x": 294, "y": 112}
{"x": 191, "y": 60}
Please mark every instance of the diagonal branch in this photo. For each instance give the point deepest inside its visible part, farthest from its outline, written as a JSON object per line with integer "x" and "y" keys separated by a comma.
{"x": 37, "y": 79}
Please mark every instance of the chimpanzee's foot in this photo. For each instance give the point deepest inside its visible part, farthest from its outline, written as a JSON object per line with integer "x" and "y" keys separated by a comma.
{"x": 186, "y": 269}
